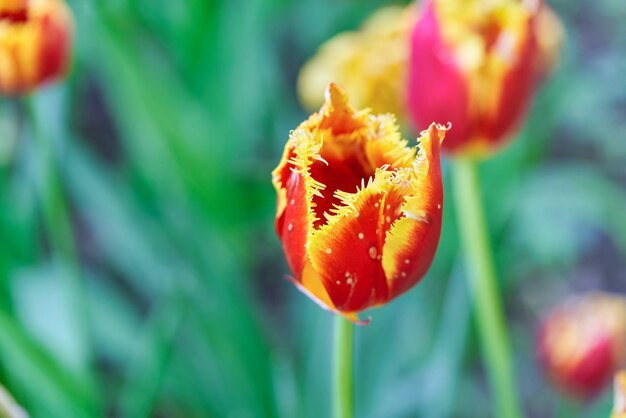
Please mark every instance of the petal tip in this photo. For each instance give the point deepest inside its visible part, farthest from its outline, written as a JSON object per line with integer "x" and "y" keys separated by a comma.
{"x": 337, "y": 97}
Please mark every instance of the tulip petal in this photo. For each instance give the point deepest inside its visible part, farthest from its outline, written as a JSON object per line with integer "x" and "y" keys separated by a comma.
{"x": 413, "y": 239}
{"x": 437, "y": 89}
{"x": 346, "y": 254}
{"x": 292, "y": 209}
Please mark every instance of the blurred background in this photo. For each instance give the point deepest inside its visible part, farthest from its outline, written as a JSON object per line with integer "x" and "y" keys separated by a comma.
{"x": 164, "y": 136}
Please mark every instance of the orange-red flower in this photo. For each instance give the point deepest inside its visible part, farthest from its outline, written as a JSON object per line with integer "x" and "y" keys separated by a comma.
{"x": 35, "y": 37}
{"x": 583, "y": 342}
{"x": 359, "y": 211}
{"x": 619, "y": 404}
{"x": 476, "y": 64}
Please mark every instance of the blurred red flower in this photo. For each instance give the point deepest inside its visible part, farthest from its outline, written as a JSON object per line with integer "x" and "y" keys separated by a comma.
{"x": 476, "y": 64}
{"x": 582, "y": 343}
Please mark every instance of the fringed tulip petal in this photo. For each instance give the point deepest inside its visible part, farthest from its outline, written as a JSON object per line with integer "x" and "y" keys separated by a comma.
{"x": 416, "y": 231}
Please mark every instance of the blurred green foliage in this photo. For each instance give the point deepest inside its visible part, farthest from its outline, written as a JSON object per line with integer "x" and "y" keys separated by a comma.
{"x": 164, "y": 137}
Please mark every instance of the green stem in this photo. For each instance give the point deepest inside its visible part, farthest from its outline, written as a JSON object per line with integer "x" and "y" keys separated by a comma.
{"x": 58, "y": 228}
{"x": 343, "y": 397}
{"x": 481, "y": 272}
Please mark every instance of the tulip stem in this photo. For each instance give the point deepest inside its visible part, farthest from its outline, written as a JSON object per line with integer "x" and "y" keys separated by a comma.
{"x": 343, "y": 397}
{"x": 482, "y": 277}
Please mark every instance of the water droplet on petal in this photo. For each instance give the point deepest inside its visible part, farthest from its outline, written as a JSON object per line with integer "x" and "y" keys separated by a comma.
{"x": 373, "y": 253}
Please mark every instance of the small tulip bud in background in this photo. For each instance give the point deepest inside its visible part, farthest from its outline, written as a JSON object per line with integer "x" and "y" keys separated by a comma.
{"x": 583, "y": 342}
{"x": 359, "y": 210}
{"x": 476, "y": 64}
{"x": 35, "y": 38}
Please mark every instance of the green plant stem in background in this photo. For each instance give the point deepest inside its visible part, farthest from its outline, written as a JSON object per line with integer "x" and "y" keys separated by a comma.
{"x": 58, "y": 229}
{"x": 343, "y": 397}
{"x": 482, "y": 276}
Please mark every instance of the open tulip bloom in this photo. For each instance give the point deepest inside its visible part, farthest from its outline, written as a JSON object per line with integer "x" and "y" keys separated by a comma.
{"x": 359, "y": 210}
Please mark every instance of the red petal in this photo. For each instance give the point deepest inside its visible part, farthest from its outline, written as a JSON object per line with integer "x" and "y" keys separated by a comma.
{"x": 292, "y": 224}
{"x": 347, "y": 254}
{"x": 437, "y": 90}
{"x": 412, "y": 241}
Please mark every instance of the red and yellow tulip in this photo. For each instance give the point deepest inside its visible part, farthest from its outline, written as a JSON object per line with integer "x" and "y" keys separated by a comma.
{"x": 583, "y": 342}
{"x": 476, "y": 64}
{"x": 358, "y": 210}
{"x": 35, "y": 38}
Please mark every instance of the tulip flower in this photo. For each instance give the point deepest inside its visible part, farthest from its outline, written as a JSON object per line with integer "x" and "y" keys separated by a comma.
{"x": 359, "y": 211}
{"x": 476, "y": 64}
{"x": 370, "y": 63}
{"x": 583, "y": 342}
{"x": 619, "y": 404}
{"x": 35, "y": 37}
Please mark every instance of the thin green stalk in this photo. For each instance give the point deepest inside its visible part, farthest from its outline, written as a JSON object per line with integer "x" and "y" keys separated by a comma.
{"x": 482, "y": 276}
{"x": 343, "y": 396}
{"x": 58, "y": 229}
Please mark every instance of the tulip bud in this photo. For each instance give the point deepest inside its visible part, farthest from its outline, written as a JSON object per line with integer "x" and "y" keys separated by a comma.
{"x": 369, "y": 63}
{"x": 619, "y": 405}
{"x": 583, "y": 342}
{"x": 358, "y": 210}
{"x": 476, "y": 64}
{"x": 35, "y": 39}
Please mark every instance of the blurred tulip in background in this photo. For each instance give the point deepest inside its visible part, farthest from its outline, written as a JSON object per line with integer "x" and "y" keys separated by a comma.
{"x": 35, "y": 38}
{"x": 477, "y": 64}
{"x": 582, "y": 343}
{"x": 370, "y": 63}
